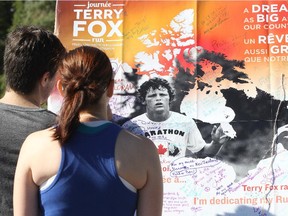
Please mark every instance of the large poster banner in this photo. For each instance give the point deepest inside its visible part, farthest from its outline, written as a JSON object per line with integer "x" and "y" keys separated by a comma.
{"x": 184, "y": 68}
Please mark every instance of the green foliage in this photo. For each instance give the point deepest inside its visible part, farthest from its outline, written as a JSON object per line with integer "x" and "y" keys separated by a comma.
{"x": 20, "y": 12}
{"x": 5, "y": 18}
{"x": 2, "y": 85}
{"x": 5, "y": 23}
{"x": 40, "y": 13}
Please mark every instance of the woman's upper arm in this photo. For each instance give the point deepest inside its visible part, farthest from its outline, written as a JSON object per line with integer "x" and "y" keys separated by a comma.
{"x": 25, "y": 194}
{"x": 150, "y": 198}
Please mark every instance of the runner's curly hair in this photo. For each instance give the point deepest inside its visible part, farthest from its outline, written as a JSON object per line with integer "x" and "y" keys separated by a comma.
{"x": 155, "y": 83}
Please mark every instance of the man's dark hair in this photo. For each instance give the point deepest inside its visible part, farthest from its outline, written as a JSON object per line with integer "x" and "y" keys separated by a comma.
{"x": 29, "y": 53}
{"x": 155, "y": 83}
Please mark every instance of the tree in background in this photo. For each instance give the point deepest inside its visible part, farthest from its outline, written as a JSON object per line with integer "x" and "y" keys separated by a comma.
{"x": 39, "y": 13}
{"x": 5, "y": 23}
{"x": 17, "y": 13}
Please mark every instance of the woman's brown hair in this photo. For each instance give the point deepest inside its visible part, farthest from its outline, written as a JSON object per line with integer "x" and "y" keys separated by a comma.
{"x": 85, "y": 74}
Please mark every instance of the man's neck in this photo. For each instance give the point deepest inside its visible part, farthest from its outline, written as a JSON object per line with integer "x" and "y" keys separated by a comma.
{"x": 159, "y": 117}
{"x": 16, "y": 99}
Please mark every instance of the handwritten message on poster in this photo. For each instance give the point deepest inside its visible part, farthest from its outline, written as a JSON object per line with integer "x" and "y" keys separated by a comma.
{"x": 227, "y": 62}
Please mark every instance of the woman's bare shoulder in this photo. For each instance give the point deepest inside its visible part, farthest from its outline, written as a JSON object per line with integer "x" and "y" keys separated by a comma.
{"x": 41, "y": 133}
{"x": 137, "y": 144}
{"x": 136, "y": 157}
{"x": 142, "y": 141}
{"x": 39, "y": 140}
{"x": 41, "y": 153}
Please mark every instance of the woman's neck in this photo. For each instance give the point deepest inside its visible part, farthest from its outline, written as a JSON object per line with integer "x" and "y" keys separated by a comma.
{"x": 95, "y": 112}
{"x": 86, "y": 116}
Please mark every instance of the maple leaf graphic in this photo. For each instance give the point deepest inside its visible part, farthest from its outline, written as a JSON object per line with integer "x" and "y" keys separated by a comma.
{"x": 161, "y": 150}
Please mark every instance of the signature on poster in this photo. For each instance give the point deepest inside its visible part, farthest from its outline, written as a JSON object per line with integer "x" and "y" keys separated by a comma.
{"x": 189, "y": 166}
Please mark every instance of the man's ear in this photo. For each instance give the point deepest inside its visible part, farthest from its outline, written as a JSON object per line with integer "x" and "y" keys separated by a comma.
{"x": 110, "y": 89}
{"x": 60, "y": 87}
{"x": 45, "y": 80}
{"x": 141, "y": 99}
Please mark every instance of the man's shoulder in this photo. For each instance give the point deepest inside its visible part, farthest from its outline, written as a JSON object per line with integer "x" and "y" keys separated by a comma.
{"x": 180, "y": 117}
{"x": 7, "y": 109}
{"x": 141, "y": 117}
{"x": 135, "y": 124}
{"x": 38, "y": 118}
{"x": 47, "y": 113}
{"x": 43, "y": 116}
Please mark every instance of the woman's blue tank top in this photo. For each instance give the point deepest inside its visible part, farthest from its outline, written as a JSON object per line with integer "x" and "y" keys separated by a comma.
{"x": 87, "y": 182}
